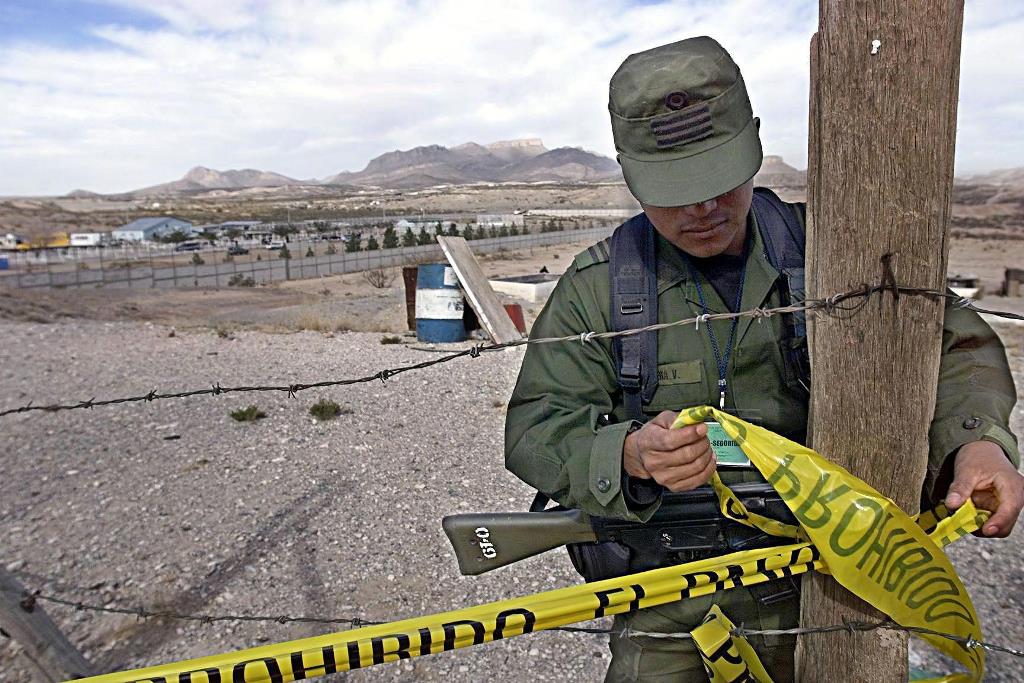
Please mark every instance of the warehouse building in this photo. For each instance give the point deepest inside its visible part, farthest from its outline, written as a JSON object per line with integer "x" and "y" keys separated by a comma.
{"x": 148, "y": 229}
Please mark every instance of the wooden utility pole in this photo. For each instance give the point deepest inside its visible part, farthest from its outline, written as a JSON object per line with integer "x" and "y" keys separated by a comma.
{"x": 884, "y": 85}
{"x": 51, "y": 657}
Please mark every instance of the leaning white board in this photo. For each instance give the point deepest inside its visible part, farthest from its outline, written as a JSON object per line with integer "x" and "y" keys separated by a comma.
{"x": 478, "y": 290}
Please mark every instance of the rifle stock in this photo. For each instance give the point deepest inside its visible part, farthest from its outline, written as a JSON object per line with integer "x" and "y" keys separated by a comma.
{"x": 686, "y": 526}
{"x": 486, "y": 541}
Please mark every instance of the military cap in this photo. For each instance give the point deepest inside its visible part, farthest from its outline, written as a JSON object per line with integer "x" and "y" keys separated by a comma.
{"x": 683, "y": 127}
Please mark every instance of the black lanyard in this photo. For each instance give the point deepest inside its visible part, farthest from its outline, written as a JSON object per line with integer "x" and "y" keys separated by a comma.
{"x": 722, "y": 361}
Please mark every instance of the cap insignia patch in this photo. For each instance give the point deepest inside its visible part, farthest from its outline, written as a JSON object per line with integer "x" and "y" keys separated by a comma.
{"x": 683, "y": 126}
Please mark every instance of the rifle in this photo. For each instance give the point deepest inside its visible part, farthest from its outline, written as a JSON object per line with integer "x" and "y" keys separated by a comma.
{"x": 687, "y": 526}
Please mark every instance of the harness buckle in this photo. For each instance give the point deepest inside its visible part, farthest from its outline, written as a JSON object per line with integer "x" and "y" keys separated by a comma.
{"x": 631, "y": 308}
{"x": 629, "y": 377}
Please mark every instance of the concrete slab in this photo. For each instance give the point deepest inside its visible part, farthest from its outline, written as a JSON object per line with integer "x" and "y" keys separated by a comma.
{"x": 533, "y": 288}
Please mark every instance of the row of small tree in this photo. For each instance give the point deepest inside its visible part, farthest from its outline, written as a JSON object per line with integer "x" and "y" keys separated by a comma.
{"x": 391, "y": 240}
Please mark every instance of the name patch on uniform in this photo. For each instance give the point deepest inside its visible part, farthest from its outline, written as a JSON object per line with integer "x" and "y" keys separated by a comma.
{"x": 687, "y": 372}
{"x": 727, "y": 451}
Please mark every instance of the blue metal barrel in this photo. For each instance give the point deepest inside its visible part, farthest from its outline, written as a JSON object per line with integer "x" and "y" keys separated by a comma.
{"x": 439, "y": 304}
{"x": 4, "y": 263}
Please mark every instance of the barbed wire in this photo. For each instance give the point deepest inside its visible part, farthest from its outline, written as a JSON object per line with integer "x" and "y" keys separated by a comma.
{"x": 29, "y": 598}
{"x": 842, "y": 305}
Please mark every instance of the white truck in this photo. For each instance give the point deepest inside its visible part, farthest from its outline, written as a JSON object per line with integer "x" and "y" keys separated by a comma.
{"x": 89, "y": 239}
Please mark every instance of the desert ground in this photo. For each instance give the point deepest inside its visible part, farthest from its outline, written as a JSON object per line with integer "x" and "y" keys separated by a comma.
{"x": 173, "y": 505}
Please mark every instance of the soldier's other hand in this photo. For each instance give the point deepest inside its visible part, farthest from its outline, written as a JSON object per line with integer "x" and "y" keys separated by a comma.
{"x": 982, "y": 473}
{"x": 678, "y": 459}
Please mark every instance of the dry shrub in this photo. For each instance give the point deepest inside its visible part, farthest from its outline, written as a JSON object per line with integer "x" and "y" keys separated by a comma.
{"x": 325, "y": 409}
{"x": 379, "y": 278}
{"x": 250, "y": 414}
{"x": 240, "y": 280}
{"x": 314, "y": 320}
{"x": 311, "y": 319}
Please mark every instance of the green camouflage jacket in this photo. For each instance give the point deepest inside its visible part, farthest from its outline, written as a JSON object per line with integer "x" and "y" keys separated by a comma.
{"x": 566, "y": 422}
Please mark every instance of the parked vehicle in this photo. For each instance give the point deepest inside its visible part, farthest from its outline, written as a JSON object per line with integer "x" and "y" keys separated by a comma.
{"x": 235, "y": 250}
{"x": 189, "y": 245}
{"x": 89, "y": 239}
{"x": 275, "y": 244}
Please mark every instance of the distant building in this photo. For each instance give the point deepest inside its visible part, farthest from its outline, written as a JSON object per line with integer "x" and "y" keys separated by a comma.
{"x": 12, "y": 241}
{"x": 488, "y": 220}
{"x": 245, "y": 226}
{"x": 148, "y": 229}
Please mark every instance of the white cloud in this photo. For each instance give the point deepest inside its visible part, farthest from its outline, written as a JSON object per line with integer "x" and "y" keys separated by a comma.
{"x": 312, "y": 87}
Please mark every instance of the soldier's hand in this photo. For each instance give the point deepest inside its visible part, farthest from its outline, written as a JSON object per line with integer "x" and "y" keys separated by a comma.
{"x": 678, "y": 459}
{"x": 982, "y": 473}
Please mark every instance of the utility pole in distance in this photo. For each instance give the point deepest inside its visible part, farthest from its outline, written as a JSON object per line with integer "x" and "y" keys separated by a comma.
{"x": 884, "y": 84}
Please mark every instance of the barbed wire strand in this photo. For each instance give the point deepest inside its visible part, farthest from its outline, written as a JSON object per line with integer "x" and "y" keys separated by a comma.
{"x": 841, "y": 306}
{"x": 29, "y": 598}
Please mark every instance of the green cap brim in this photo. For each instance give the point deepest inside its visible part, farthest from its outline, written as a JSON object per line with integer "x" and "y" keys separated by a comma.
{"x": 697, "y": 178}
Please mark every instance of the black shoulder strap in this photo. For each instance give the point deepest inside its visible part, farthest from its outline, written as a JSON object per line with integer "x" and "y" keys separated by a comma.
{"x": 634, "y": 300}
{"x": 782, "y": 232}
{"x": 785, "y": 240}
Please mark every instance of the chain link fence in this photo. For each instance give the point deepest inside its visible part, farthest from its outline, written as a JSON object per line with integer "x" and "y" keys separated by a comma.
{"x": 214, "y": 267}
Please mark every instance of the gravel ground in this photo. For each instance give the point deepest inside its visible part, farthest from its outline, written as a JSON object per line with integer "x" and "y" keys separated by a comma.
{"x": 287, "y": 515}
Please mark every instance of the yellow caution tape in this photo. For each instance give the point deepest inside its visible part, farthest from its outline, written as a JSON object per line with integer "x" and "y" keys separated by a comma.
{"x": 729, "y": 657}
{"x": 436, "y": 633}
{"x": 358, "y": 648}
{"x": 733, "y": 508}
{"x": 869, "y": 544}
{"x": 726, "y": 657}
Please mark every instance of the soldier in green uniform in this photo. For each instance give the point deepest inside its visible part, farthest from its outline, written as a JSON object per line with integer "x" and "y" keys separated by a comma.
{"x": 689, "y": 147}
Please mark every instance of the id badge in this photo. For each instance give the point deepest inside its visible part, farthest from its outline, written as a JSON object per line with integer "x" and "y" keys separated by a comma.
{"x": 727, "y": 451}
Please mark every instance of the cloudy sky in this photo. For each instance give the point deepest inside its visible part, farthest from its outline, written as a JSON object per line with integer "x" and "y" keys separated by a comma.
{"x": 112, "y": 95}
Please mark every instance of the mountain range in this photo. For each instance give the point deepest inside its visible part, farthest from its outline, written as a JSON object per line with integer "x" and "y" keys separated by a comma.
{"x": 519, "y": 161}
{"x": 526, "y": 160}
{"x": 515, "y": 160}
